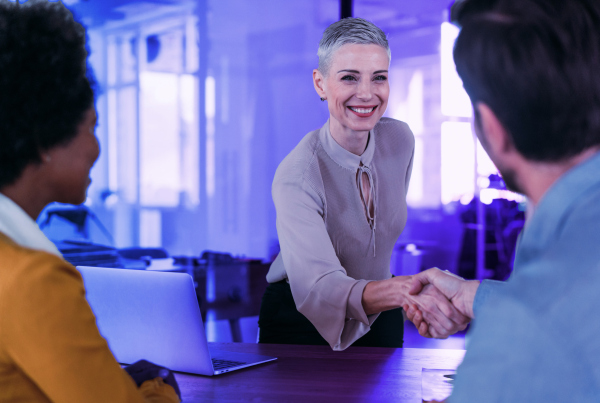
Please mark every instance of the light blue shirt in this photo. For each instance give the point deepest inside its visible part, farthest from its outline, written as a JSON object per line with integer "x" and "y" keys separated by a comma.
{"x": 536, "y": 338}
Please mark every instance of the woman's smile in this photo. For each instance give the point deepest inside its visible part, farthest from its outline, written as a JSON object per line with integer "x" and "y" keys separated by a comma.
{"x": 363, "y": 111}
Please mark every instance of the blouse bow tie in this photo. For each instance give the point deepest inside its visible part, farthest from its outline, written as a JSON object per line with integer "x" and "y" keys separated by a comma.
{"x": 364, "y": 169}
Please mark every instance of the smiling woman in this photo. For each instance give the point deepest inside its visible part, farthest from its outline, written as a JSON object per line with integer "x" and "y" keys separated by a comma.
{"x": 340, "y": 198}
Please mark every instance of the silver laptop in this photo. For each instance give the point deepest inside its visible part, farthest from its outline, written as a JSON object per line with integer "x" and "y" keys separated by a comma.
{"x": 155, "y": 316}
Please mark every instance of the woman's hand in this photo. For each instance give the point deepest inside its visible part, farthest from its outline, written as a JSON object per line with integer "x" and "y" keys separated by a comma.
{"x": 142, "y": 371}
{"x": 416, "y": 317}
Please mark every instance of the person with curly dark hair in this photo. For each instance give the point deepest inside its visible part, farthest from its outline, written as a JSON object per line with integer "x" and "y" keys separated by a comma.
{"x": 50, "y": 347}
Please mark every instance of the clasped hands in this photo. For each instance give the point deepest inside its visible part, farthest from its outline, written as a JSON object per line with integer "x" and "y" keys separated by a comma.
{"x": 439, "y": 303}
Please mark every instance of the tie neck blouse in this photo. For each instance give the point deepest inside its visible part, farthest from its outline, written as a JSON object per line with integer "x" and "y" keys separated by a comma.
{"x": 331, "y": 246}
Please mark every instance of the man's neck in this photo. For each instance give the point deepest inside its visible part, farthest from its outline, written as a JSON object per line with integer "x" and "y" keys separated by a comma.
{"x": 538, "y": 177}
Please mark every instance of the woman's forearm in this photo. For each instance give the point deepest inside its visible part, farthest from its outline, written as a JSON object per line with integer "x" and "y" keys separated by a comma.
{"x": 383, "y": 295}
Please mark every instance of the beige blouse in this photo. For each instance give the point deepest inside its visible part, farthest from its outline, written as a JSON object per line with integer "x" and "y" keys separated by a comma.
{"x": 330, "y": 247}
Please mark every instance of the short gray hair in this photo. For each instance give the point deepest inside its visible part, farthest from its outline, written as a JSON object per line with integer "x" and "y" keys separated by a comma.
{"x": 346, "y": 31}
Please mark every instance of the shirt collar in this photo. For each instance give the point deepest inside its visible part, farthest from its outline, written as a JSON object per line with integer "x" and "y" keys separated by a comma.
{"x": 558, "y": 201}
{"x": 342, "y": 156}
{"x": 17, "y": 225}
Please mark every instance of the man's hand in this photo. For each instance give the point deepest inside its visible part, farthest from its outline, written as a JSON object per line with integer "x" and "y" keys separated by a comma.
{"x": 456, "y": 289}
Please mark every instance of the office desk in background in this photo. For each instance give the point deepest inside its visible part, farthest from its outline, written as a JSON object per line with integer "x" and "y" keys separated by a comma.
{"x": 230, "y": 290}
{"x": 317, "y": 374}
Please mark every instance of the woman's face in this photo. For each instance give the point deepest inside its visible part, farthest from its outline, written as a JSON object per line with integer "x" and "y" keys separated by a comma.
{"x": 356, "y": 86}
{"x": 69, "y": 165}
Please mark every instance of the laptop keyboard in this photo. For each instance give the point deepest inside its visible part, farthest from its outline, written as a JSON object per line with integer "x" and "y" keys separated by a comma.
{"x": 222, "y": 364}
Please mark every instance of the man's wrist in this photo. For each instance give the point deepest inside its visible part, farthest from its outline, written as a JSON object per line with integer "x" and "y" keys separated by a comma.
{"x": 469, "y": 290}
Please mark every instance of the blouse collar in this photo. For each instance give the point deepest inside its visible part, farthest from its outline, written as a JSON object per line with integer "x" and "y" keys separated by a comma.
{"x": 343, "y": 157}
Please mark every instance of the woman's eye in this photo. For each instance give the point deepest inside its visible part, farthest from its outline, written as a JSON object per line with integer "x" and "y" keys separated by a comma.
{"x": 380, "y": 78}
{"x": 348, "y": 78}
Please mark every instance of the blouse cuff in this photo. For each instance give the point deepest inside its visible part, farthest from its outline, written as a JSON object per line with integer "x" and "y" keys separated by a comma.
{"x": 354, "y": 307}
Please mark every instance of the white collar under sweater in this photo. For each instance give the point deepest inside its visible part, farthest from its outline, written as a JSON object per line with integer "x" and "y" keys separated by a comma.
{"x": 18, "y": 226}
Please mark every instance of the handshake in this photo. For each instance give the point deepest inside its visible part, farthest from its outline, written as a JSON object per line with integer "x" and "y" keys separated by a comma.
{"x": 439, "y": 303}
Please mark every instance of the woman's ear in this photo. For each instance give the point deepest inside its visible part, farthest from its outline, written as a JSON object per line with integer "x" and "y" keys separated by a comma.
{"x": 44, "y": 156}
{"x": 319, "y": 83}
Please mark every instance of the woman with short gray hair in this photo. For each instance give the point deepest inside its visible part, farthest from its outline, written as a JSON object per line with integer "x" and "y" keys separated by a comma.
{"x": 340, "y": 198}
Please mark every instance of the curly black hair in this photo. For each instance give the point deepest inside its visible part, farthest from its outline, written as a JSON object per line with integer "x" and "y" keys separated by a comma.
{"x": 45, "y": 87}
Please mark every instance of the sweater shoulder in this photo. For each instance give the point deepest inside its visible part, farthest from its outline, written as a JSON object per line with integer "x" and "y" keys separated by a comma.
{"x": 300, "y": 162}
{"x": 390, "y": 131}
{"x": 27, "y": 267}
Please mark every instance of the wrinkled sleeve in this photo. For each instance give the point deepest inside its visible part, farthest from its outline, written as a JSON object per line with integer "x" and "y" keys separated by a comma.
{"x": 513, "y": 358}
{"x": 535, "y": 337}
{"x": 50, "y": 332}
{"x": 486, "y": 289}
{"x": 322, "y": 290}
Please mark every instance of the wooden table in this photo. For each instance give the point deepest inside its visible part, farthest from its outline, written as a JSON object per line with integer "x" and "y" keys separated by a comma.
{"x": 318, "y": 374}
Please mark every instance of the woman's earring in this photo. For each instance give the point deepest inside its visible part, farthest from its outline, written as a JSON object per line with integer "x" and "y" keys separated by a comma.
{"x": 322, "y": 99}
{"x": 47, "y": 158}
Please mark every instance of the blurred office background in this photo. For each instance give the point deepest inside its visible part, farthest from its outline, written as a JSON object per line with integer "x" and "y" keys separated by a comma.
{"x": 200, "y": 101}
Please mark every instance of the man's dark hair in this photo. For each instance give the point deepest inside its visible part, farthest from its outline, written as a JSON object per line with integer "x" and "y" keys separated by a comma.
{"x": 44, "y": 86}
{"x": 536, "y": 64}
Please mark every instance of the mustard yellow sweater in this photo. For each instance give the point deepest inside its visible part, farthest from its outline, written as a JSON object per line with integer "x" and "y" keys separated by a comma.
{"x": 50, "y": 347}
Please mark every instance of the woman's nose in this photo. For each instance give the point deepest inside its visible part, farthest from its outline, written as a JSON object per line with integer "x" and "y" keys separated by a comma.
{"x": 364, "y": 90}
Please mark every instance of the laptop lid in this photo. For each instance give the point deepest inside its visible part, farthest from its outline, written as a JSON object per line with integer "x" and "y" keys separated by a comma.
{"x": 153, "y": 316}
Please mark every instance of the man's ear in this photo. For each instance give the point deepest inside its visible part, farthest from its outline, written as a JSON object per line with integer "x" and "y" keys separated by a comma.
{"x": 495, "y": 136}
{"x": 319, "y": 83}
